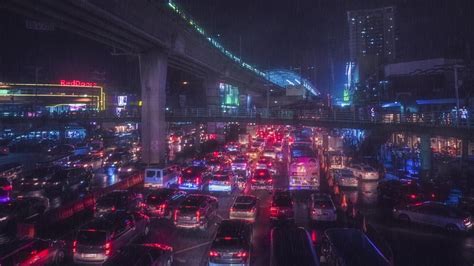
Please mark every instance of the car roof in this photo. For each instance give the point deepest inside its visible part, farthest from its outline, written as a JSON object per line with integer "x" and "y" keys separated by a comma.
{"x": 106, "y": 222}
{"x": 245, "y": 199}
{"x": 231, "y": 228}
{"x": 9, "y": 247}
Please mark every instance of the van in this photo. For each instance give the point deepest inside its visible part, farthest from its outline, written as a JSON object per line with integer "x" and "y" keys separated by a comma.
{"x": 156, "y": 177}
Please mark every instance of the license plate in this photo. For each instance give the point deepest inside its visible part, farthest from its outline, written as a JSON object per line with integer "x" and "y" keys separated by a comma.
{"x": 89, "y": 255}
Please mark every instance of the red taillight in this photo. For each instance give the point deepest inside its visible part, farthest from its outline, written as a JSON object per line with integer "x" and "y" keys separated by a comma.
{"x": 198, "y": 216}
{"x": 241, "y": 254}
{"x": 108, "y": 248}
{"x": 198, "y": 180}
{"x": 213, "y": 253}
{"x": 113, "y": 208}
{"x": 270, "y": 180}
{"x": 74, "y": 246}
{"x": 7, "y": 188}
{"x": 314, "y": 236}
{"x": 163, "y": 208}
{"x": 253, "y": 180}
{"x": 433, "y": 195}
{"x": 180, "y": 180}
{"x": 273, "y": 210}
{"x": 412, "y": 196}
{"x": 176, "y": 213}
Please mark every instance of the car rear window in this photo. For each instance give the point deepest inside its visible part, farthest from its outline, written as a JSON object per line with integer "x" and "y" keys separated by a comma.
{"x": 227, "y": 242}
{"x": 91, "y": 237}
{"x": 242, "y": 206}
{"x": 220, "y": 177}
{"x": 282, "y": 202}
{"x": 322, "y": 203}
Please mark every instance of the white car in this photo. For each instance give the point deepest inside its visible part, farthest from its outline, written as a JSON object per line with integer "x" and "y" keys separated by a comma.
{"x": 269, "y": 153}
{"x": 364, "y": 172}
{"x": 322, "y": 208}
{"x": 435, "y": 214}
{"x": 244, "y": 208}
{"x": 345, "y": 178}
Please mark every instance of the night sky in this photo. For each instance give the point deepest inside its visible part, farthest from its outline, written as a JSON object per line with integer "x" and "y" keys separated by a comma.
{"x": 273, "y": 34}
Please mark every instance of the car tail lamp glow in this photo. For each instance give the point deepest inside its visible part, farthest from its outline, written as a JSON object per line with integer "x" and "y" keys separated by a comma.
{"x": 314, "y": 236}
{"x": 261, "y": 173}
{"x": 273, "y": 210}
{"x": 213, "y": 253}
{"x": 253, "y": 180}
{"x": 74, "y": 246}
{"x": 108, "y": 248}
{"x": 198, "y": 216}
{"x": 180, "y": 180}
{"x": 7, "y": 188}
{"x": 176, "y": 213}
{"x": 227, "y": 238}
{"x": 412, "y": 196}
{"x": 162, "y": 208}
{"x": 241, "y": 254}
{"x": 198, "y": 181}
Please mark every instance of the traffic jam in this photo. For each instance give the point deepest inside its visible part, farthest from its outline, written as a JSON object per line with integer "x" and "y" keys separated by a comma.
{"x": 275, "y": 195}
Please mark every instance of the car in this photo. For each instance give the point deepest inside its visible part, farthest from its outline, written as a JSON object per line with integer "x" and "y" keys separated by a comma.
{"x": 196, "y": 212}
{"x": 32, "y": 251}
{"x": 117, "y": 159}
{"x": 102, "y": 238}
{"x": 270, "y": 153}
{"x": 321, "y": 208}
{"x": 118, "y": 200}
{"x": 232, "y": 244}
{"x": 19, "y": 210}
{"x": 214, "y": 164}
{"x": 282, "y": 206}
{"x": 434, "y": 214}
{"x": 90, "y": 162}
{"x": 37, "y": 180}
{"x": 346, "y": 178}
{"x": 399, "y": 191}
{"x": 253, "y": 153}
{"x": 61, "y": 150}
{"x": 290, "y": 245}
{"x": 364, "y": 172}
{"x": 4, "y": 149}
{"x": 192, "y": 178}
{"x": 244, "y": 208}
{"x": 162, "y": 202}
{"x": 143, "y": 254}
{"x": 222, "y": 181}
{"x": 69, "y": 180}
{"x": 239, "y": 164}
{"x": 261, "y": 179}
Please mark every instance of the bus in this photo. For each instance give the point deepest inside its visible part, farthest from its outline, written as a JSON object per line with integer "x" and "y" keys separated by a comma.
{"x": 303, "y": 168}
{"x": 351, "y": 247}
{"x": 292, "y": 246}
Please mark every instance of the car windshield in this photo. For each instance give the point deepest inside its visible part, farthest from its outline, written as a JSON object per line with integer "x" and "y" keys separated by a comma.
{"x": 91, "y": 237}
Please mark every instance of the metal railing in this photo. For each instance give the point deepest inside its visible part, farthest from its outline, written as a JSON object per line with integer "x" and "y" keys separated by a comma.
{"x": 431, "y": 119}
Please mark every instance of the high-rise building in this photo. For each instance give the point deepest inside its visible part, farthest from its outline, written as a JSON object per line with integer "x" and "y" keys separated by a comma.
{"x": 372, "y": 34}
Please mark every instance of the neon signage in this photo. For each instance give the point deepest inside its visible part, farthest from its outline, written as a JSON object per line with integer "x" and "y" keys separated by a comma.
{"x": 78, "y": 83}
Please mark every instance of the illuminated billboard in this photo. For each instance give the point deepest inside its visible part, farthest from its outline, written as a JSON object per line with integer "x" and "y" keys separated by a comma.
{"x": 229, "y": 95}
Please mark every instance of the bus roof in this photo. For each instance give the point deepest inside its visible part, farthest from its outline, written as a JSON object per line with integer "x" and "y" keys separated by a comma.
{"x": 355, "y": 248}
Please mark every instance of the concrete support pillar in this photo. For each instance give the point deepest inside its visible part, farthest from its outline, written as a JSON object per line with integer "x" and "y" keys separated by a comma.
{"x": 153, "y": 71}
{"x": 211, "y": 86}
{"x": 425, "y": 156}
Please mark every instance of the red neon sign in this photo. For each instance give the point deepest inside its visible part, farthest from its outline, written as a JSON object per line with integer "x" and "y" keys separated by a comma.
{"x": 78, "y": 83}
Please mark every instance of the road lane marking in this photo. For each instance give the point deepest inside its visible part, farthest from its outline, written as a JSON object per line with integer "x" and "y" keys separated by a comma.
{"x": 193, "y": 247}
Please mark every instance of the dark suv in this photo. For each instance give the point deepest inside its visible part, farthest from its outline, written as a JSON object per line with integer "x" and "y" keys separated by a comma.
{"x": 163, "y": 202}
{"x": 196, "y": 212}
{"x": 232, "y": 244}
{"x": 282, "y": 206}
{"x": 119, "y": 200}
{"x": 32, "y": 252}
{"x": 69, "y": 180}
{"x": 261, "y": 179}
{"x": 103, "y": 238}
